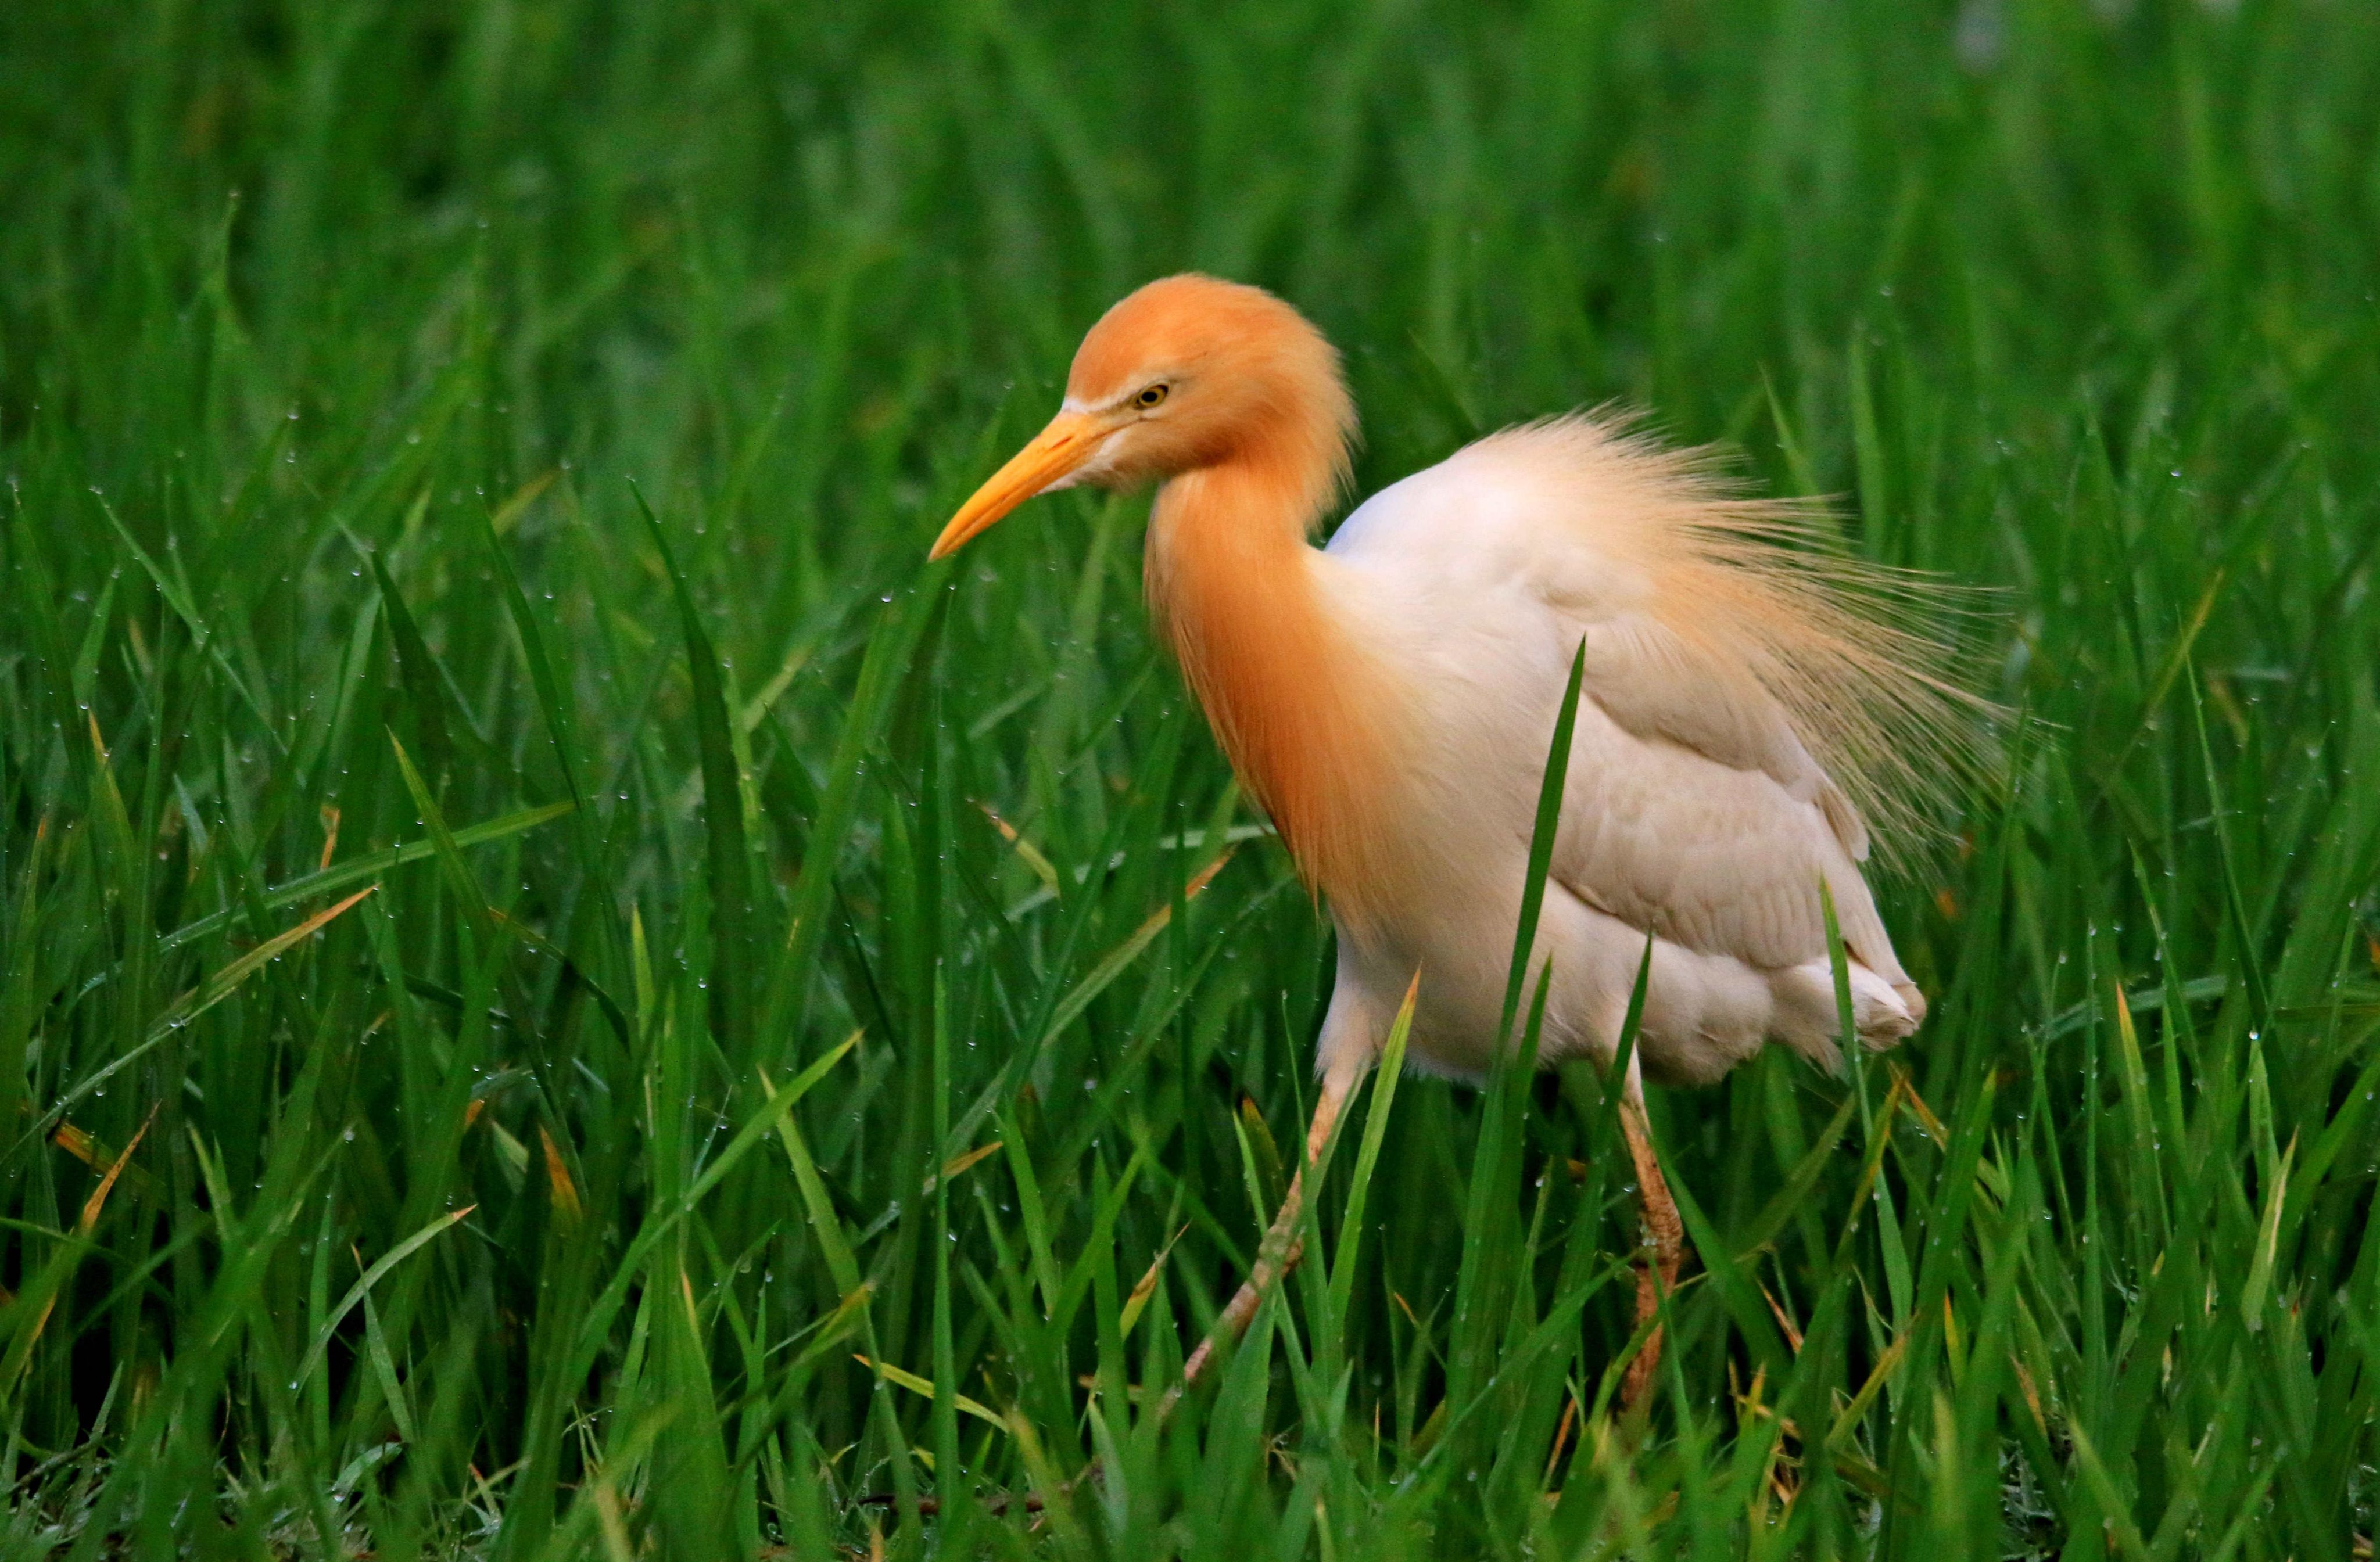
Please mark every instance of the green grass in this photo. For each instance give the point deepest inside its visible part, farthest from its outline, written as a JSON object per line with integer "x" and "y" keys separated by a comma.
{"x": 478, "y": 1218}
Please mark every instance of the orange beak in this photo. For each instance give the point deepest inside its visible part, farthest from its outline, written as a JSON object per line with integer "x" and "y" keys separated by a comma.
{"x": 1054, "y": 454}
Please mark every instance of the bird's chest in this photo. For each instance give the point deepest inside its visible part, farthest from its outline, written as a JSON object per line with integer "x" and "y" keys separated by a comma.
{"x": 1479, "y": 678}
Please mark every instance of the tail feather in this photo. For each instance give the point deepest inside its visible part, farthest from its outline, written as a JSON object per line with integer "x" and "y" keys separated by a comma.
{"x": 1883, "y": 1013}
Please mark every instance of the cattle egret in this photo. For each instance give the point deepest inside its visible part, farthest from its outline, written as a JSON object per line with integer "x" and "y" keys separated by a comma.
{"x": 1747, "y": 707}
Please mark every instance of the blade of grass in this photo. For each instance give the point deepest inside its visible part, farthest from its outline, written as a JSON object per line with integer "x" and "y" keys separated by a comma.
{"x": 734, "y": 969}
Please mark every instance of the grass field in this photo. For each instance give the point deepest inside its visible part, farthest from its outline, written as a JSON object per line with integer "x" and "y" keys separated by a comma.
{"x": 542, "y": 1202}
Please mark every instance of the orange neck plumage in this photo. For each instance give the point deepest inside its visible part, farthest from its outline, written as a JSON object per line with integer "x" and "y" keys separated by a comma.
{"x": 1233, "y": 588}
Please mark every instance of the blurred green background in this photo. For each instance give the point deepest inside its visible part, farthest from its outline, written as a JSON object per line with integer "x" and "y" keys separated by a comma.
{"x": 475, "y": 1217}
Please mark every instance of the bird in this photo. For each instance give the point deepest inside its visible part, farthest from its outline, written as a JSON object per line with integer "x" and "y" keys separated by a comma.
{"x": 1757, "y": 712}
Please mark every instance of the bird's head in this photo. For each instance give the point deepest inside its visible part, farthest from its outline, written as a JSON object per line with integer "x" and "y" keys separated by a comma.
{"x": 1187, "y": 372}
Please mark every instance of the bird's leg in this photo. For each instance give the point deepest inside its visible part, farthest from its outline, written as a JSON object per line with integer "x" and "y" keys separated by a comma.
{"x": 1281, "y": 1247}
{"x": 1663, "y": 1236}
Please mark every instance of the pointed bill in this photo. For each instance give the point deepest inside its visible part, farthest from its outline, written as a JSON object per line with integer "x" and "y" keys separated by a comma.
{"x": 1054, "y": 454}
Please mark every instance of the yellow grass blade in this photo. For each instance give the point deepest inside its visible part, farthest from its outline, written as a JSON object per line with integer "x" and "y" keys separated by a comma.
{"x": 916, "y": 1385}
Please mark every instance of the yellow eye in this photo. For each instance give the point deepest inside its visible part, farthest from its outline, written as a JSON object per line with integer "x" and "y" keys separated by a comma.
{"x": 1153, "y": 396}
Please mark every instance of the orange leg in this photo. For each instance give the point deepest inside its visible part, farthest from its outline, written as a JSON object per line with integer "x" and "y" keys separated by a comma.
{"x": 1665, "y": 1240}
{"x": 1281, "y": 1247}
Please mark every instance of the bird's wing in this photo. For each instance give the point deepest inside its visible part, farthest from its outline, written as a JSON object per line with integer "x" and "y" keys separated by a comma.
{"x": 1693, "y": 808}
{"x": 1719, "y": 856}
{"x": 1658, "y": 687}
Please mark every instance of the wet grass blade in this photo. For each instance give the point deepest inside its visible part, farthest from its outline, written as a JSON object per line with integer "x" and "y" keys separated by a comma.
{"x": 371, "y": 864}
{"x": 734, "y": 965}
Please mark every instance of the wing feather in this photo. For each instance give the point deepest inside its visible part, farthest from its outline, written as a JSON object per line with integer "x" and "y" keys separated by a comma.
{"x": 1656, "y": 685}
{"x": 1720, "y": 858}
{"x": 1750, "y": 711}
{"x": 1729, "y": 625}
{"x": 1750, "y": 707}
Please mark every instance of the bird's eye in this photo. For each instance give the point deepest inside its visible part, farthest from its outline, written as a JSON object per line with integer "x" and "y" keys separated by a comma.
{"x": 1152, "y": 395}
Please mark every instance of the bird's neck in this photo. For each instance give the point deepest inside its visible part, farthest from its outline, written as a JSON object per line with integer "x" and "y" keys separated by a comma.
{"x": 1293, "y": 696}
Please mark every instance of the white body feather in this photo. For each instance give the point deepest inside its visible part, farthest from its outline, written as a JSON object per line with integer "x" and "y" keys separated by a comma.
{"x": 1693, "y": 811}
